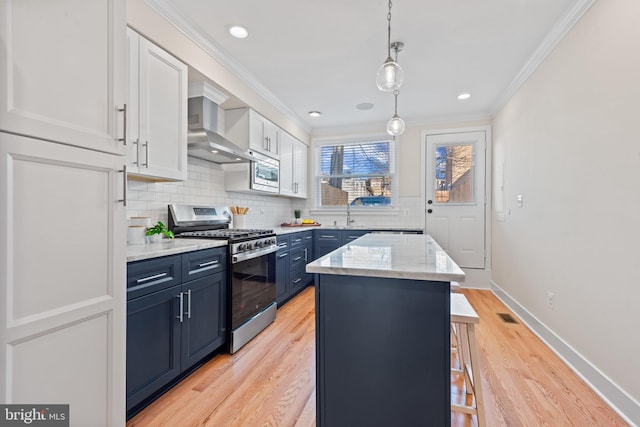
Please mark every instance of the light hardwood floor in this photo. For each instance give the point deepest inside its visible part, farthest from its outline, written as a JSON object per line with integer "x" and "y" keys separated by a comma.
{"x": 271, "y": 381}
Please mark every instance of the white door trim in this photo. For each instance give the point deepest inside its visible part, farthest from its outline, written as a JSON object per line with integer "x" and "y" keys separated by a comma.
{"x": 487, "y": 187}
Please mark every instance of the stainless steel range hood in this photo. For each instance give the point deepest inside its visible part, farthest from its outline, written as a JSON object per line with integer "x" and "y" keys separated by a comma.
{"x": 206, "y": 138}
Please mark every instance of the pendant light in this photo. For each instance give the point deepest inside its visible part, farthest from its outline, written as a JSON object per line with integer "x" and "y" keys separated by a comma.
{"x": 396, "y": 124}
{"x": 390, "y": 74}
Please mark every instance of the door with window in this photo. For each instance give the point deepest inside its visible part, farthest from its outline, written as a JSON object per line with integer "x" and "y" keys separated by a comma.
{"x": 455, "y": 195}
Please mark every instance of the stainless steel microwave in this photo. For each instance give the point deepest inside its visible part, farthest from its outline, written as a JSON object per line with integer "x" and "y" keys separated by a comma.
{"x": 265, "y": 174}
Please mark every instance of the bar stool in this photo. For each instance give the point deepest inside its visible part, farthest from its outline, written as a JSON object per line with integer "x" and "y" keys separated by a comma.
{"x": 464, "y": 317}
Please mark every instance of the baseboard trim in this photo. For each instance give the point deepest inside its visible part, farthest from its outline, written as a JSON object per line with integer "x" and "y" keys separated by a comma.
{"x": 626, "y": 406}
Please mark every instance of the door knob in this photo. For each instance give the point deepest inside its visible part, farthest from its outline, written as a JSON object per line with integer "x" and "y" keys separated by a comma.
{"x": 430, "y": 201}
{"x": 429, "y": 210}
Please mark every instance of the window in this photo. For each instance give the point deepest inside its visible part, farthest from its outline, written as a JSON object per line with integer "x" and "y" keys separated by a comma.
{"x": 357, "y": 173}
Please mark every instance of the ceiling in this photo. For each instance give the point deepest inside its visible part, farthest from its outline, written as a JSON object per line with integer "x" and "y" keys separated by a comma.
{"x": 308, "y": 55}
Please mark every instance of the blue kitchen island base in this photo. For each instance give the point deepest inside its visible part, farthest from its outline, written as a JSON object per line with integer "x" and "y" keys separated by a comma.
{"x": 382, "y": 352}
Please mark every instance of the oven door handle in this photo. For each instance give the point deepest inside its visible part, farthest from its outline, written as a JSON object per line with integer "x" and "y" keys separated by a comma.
{"x": 253, "y": 254}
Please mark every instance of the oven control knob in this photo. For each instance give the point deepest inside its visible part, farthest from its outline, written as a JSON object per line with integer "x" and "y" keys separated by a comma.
{"x": 248, "y": 246}
{"x": 259, "y": 244}
{"x": 242, "y": 247}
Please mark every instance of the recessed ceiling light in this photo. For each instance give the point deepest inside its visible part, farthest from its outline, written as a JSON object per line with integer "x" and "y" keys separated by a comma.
{"x": 238, "y": 32}
{"x": 214, "y": 151}
{"x": 364, "y": 106}
{"x": 315, "y": 113}
{"x": 464, "y": 95}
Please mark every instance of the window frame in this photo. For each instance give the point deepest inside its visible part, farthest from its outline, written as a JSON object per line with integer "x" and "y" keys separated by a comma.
{"x": 318, "y": 144}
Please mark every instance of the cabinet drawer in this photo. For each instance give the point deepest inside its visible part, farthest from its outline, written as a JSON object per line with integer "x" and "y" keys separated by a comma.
{"x": 302, "y": 238}
{"x": 298, "y": 280}
{"x": 147, "y": 276}
{"x": 328, "y": 235}
{"x": 299, "y": 257}
{"x": 350, "y": 235}
{"x": 203, "y": 263}
{"x": 283, "y": 242}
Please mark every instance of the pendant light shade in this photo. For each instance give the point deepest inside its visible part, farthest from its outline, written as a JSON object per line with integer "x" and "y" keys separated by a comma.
{"x": 390, "y": 76}
{"x": 395, "y": 126}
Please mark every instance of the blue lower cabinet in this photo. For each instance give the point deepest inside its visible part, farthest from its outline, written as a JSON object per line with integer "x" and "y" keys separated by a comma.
{"x": 170, "y": 330}
{"x": 153, "y": 344}
{"x": 295, "y": 250}
{"x": 204, "y": 318}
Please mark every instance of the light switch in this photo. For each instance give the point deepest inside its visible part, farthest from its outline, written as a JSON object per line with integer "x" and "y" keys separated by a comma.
{"x": 519, "y": 200}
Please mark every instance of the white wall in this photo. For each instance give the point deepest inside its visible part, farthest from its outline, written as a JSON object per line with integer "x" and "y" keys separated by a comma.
{"x": 570, "y": 143}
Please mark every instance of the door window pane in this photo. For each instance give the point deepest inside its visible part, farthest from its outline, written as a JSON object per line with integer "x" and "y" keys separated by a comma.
{"x": 454, "y": 174}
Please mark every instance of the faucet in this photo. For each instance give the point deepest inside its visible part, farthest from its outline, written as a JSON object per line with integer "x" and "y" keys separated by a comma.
{"x": 349, "y": 220}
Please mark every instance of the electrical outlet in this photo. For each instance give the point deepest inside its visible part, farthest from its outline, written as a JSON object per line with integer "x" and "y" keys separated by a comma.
{"x": 551, "y": 300}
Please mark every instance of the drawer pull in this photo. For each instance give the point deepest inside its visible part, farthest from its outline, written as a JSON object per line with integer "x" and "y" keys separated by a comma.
{"x": 298, "y": 258}
{"x": 297, "y": 240}
{"x": 308, "y": 237}
{"x": 181, "y": 298}
{"x": 324, "y": 236}
{"x": 283, "y": 255}
{"x": 155, "y": 276}
{"x": 189, "y": 304}
{"x": 297, "y": 280}
{"x": 206, "y": 264}
{"x": 282, "y": 245}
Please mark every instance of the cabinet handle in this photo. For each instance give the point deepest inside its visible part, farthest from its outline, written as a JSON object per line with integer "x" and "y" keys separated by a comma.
{"x": 282, "y": 245}
{"x": 308, "y": 238}
{"x": 155, "y": 276}
{"x": 283, "y": 255}
{"x": 146, "y": 156}
{"x": 324, "y": 236}
{"x": 137, "y": 144}
{"x": 305, "y": 254}
{"x": 206, "y": 264}
{"x": 189, "y": 304}
{"x": 297, "y": 240}
{"x": 297, "y": 280}
{"x": 181, "y": 297}
{"x": 298, "y": 258}
{"x": 124, "y": 124}
{"x": 124, "y": 185}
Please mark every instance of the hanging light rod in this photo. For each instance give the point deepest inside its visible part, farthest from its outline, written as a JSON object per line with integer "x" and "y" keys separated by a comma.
{"x": 390, "y": 74}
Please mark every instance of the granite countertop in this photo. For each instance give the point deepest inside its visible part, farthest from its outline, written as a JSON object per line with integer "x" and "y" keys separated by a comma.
{"x": 170, "y": 247}
{"x": 287, "y": 230}
{"x": 401, "y": 256}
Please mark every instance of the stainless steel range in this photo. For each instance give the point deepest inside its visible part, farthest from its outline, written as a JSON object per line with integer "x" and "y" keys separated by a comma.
{"x": 252, "y": 287}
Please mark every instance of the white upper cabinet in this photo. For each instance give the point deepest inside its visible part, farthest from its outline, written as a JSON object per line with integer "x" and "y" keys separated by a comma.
{"x": 248, "y": 129}
{"x": 62, "y": 71}
{"x": 293, "y": 166}
{"x": 157, "y": 113}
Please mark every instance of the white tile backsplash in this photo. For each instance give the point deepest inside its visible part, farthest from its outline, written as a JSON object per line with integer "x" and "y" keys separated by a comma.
{"x": 205, "y": 186}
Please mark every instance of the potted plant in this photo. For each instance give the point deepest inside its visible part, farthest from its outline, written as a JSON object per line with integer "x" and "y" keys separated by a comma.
{"x": 158, "y": 230}
{"x": 296, "y": 214}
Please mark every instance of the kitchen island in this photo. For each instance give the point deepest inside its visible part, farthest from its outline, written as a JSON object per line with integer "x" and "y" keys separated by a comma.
{"x": 382, "y": 332}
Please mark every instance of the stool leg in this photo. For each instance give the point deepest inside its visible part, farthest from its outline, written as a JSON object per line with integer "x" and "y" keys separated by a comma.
{"x": 464, "y": 356}
{"x": 475, "y": 370}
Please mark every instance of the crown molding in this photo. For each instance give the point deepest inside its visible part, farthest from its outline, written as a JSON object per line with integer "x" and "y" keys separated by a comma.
{"x": 551, "y": 40}
{"x": 197, "y": 35}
